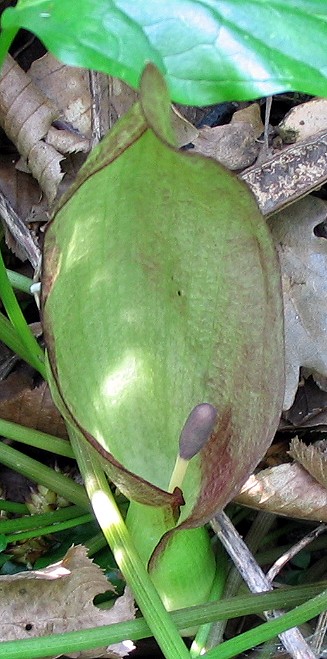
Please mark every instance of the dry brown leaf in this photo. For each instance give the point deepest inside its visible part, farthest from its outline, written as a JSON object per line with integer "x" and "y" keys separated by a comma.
{"x": 233, "y": 145}
{"x": 309, "y": 408}
{"x": 59, "y": 599}
{"x": 66, "y": 141}
{"x": 68, "y": 88}
{"x": 31, "y": 407}
{"x": 21, "y": 191}
{"x": 304, "y": 120}
{"x": 313, "y": 458}
{"x": 287, "y": 489}
{"x": 20, "y": 200}
{"x": 184, "y": 131}
{"x": 26, "y": 116}
{"x": 121, "y": 98}
{"x": 250, "y": 115}
{"x": 303, "y": 259}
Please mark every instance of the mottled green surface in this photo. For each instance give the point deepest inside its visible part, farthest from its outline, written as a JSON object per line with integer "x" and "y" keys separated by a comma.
{"x": 161, "y": 291}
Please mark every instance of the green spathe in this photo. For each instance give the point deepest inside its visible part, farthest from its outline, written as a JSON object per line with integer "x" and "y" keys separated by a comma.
{"x": 161, "y": 290}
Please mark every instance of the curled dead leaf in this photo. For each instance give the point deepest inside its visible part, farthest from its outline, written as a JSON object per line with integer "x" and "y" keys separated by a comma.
{"x": 59, "y": 599}
{"x": 184, "y": 131}
{"x": 68, "y": 88}
{"x": 26, "y": 115}
{"x": 288, "y": 490}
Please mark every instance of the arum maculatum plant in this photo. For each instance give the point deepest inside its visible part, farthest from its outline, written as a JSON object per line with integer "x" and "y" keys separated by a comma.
{"x": 162, "y": 315}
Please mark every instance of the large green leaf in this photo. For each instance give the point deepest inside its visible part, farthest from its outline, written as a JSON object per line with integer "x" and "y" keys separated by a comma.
{"x": 161, "y": 290}
{"x": 210, "y": 51}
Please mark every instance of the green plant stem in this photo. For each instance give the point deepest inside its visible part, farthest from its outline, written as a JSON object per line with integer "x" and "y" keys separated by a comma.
{"x": 188, "y": 558}
{"x": 13, "y": 507}
{"x": 269, "y": 630}
{"x": 43, "y": 475}
{"x": 218, "y": 587}
{"x": 20, "y": 282}
{"x": 95, "y": 544}
{"x": 123, "y": 549}
{"x": 30, "y": 522}
{"x": 35, "y": 438}
{"x": 52, "y": 528}
{"x": 17, "y": 319}
{"x": 137, "y": 629}
{"x": 10, "y": 337}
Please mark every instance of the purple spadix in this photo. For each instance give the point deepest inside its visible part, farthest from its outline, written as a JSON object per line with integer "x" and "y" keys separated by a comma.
{"x": 197, "y": 430}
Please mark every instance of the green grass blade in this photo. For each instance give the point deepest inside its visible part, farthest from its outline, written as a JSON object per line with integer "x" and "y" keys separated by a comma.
{"x": 200, "y": 640}
{"x": 35, "y": 438}
{"x": 270, "y": 629}
{"x": 11, "y": 338}
{"x": 124, "y": 551}
{"x": 137, "y": 629}
{"x": 32, "y": 522}
{"x": 46, "y": 530}
{"x": 43, "y": 475}
{"x": 33, "y": 350}
{"x": 14, "y": 507}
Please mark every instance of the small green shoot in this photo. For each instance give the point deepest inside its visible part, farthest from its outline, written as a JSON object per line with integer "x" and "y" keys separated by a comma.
{"x": 15, "y": 315}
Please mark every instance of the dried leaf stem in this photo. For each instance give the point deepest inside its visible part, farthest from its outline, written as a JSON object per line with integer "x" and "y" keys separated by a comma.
{"x": 19, "y": 231}
{"x": 259, "y": 529}
{"x": 292, "y": 551}
{"x": 257, "y": 581}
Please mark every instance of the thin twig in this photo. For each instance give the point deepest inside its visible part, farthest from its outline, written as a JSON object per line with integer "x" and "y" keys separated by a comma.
{"x": 95, "y": 107}
{"x": 257, "y": 581}
{"x": 285, "y": 558}
{"x": 257, "y": 532}
{"x": 267, "y": 119}
{"x": 320, "y": 633}
{"x": 20, "y": 232}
